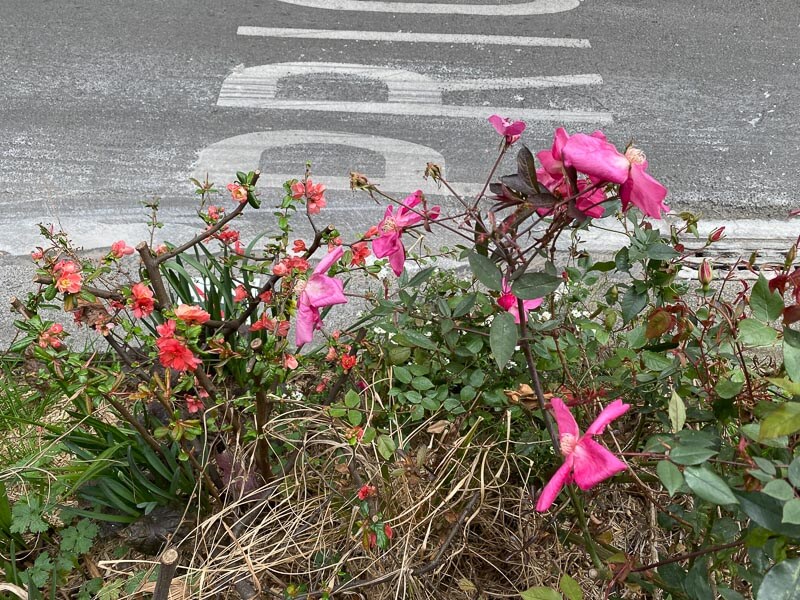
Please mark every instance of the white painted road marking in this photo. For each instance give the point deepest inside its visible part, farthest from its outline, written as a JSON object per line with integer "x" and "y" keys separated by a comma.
{"x": 404, "y": 161}
{"x": 427, "y": 38}
{"x": 536, "y": 7}
{"x": 409, "y": 94}
{"x": 428, "y": 110}
{"x": 499, "y": 83}
{"x": 259, "y": 84}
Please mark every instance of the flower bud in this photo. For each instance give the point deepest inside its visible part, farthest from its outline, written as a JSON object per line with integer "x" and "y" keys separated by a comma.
{"x": 716, "y": 235}
{"x": 705, "y": 275}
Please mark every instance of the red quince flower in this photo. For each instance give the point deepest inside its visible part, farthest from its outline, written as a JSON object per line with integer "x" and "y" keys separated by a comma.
{"x": 238, "y": 192}
{"x": 173, "y": 354}
{"x": 239, "y": 293}
{"x": 194, "y": 404}
{"x": 348, "y": 361}
{"x": 585, "y": 461}
{"x": 367, "y": 491}
{"x": 120, "y": 249}
{"x": 191, "y": 314}
{"x": 360, "y": 253}
{"x": 142, "y": 300}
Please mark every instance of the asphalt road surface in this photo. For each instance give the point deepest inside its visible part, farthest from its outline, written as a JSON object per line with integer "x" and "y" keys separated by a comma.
{"x": 104, "y": 104}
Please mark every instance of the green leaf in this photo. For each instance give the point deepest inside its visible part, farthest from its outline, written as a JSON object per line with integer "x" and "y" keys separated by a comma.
{"x": 765, "y": 304}
{"x": 354, "y": 417}
{"x": 413, "y": 338}
{"x": 791, "y": 512}
{"x": 540, "y": 593}
{"x": 677, "y": 412}
{"x": 352, "y": 399}
{"x": 755, "y": 333}
{"x": 729, "y": 388}
{"x": 402, "y": 374}
{"x": 632, "y": 304}
{"x": 535, "y": 285}
{"x": 708, "y": 485}
{"x": 779, "y": 489}
{"x": 503, "y": 337}
{"x": 655, "y": 361}
{"x": 486, "y": 271}
{"x": 421, "y": 383}
{"x": 386, "y": 446}
{"x": 691, "y": 454}
{"x": 791, "y": 353}
{"x": 660, "y": 251}
{"x": 670, "y": 476}
{"x": 421, "y": 277}
{"x": 784, "y": 420}
{"x": 26, "y": 515}
{"x": 767, "y": 512}
{"x": 465, "y": 304}
{"x": 782, "y": 582}
{"x": 570, "y": 588}
{"x": 794, "y": 472}
{"x": 786, "y": 385}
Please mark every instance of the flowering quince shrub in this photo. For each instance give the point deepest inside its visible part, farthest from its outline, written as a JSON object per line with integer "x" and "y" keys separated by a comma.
{"x": 548, "y": 425}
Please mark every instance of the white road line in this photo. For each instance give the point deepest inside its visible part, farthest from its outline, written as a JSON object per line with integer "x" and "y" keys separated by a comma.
{"x": 404, "y": 161}
{"x": 550, "y": 81}
{"x": 420, "y": 110}
{"x": 429, "y": 38}
{"x": 260, "y": 83}
{"x": 536, "y": 7}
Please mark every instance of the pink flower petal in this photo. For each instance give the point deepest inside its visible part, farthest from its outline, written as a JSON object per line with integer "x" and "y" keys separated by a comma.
{"x": 326, "y": 263}
{"x": 397, "y": 260}
{"x": 559, "y": 479}
{"x": 613, "y": 411}
{"x": 593, "y": 463}
{"x": 642, "y": 190}
{"x": 322, "y": 290}
{"x": 596, "y": 157}
{"x": 566, "y": 422}
{"x": 308, "y": 320}
{"x": 499, "y": 123}
{"x": 387, "y": 244}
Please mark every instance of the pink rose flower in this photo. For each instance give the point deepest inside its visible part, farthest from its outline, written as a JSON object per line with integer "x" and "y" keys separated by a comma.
{"x": 390, "y": 242}
{"x": 586, "y": 462}
{"x": 318, "y": 292}
{"x": 510, "y": 130}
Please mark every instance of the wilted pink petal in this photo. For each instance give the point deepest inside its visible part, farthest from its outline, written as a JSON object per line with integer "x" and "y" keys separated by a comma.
{"x": 585, "y": 461}
{"x": 559, "y": 479}
{"x": 566, "y": 422}
{"x": 510, "y": 130}
{"x": 391, "y": 228}
{"x": 595, "y": 157}
{"x": 644, "y": 192}
{"x": 593, "y": 463}
{"x": 319, "y": 291}
{"x": 613, "y": 411}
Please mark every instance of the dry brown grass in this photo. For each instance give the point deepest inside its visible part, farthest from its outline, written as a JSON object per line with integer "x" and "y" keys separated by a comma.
{"x": 464, "y": 524}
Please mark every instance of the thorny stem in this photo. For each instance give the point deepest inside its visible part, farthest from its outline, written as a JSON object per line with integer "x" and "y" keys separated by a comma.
{"x": 548, "y": 420}
{"x": 496, "y": 164}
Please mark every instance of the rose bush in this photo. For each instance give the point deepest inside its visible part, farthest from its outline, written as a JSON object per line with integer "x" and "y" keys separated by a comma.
{"x": 416, "y": 451}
